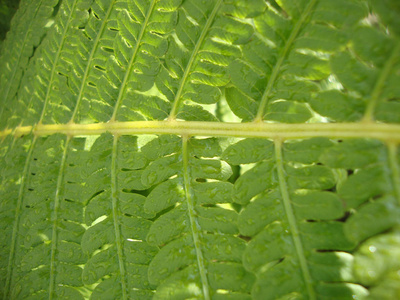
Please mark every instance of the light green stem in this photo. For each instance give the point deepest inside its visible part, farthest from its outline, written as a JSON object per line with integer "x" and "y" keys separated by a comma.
{"x": 193, "y": 224}
{"x": 380, "y": 131}
{"x": 292, "y": 222}
{"x": 54, "y": 236}
{"x": 114, "y": 196}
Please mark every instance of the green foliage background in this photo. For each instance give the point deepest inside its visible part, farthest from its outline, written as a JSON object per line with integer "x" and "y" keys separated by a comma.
{"x": 7, "y": 11}
{"x": 188, "y": 149}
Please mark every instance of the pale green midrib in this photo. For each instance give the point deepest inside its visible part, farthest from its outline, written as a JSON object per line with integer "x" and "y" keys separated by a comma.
{"x": 292, "y": 221}
{"x": 282, "y": 57}
{"x": 380, "y": 83}
{"x": 50, "y": 83}
{"x": 85, "y": 75}
{"x": 395, "y": 169}
{"x": 114, "y": 198}
{"x": 193, "y": 223}
{"x": 177, "y": 100}
{"x": 130, "y": 65}
{"x": 384, "y": 132}
{"x": 18, "y": 61}
{"x": 18, "y": 209}
{"x": 54, "y": 235}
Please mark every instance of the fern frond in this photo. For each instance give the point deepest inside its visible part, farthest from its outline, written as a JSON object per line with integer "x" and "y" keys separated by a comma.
{"x": 184, "y": 149}
{"x": 13, "y": 157}
{"x": 32, "y": 22}
{"x": 370, "y": 168}
{"x": 138, "y": 45}
{"x": 374, "y": 96}
{"x": 117, "y": 225}
{"x": 39, "y": 231}
{"x": 194, "y": 230}
{"x": 383, "y": 278}
{"x": 205, "y": 41}
{"x": 292, "y": 216}
{"x": 286, "y": 60}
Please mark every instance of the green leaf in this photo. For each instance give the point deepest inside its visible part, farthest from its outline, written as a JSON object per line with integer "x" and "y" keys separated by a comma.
{"x": 208, "y": 150}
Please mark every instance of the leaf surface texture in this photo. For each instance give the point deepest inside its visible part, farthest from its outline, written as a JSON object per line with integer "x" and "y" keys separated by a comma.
{"x": 216, "y": 150}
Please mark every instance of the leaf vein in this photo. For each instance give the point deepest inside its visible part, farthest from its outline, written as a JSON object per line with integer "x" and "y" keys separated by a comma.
{"x": 177, "y": 100}
{"x": 85, "y": 75}
{"x": 18, "y": 61}
{"x": 282, "y": 57}
{"x": 292, "y": 221}
{"x": 54, "y": 235}
{"x": 192, "y": 217}
{"x": 17, "y": 214}
{"x": 122, "y": 90}
{"x": 395, "y": 169}
{"x": 50, "y": 83}
{"x": 114, "y": 191}
{"x": 380, "y": 83}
